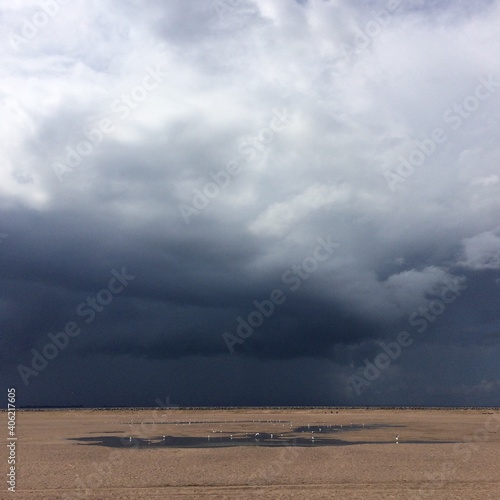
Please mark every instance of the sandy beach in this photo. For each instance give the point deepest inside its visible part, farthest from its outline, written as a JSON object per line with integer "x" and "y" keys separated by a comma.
{"x": 264, "y": 453}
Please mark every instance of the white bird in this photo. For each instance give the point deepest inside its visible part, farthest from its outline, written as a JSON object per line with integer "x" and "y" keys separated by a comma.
{"x": 397, "y": 439}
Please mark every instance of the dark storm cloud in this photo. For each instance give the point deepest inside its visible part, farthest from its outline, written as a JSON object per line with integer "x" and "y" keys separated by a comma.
{"x": 206, "y": 152}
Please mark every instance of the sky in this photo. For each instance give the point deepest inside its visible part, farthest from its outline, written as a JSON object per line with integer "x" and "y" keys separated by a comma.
{"x": 250, "y": 202}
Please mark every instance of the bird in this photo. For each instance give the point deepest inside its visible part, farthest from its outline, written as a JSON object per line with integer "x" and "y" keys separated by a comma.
{"x": 397, "y": 439}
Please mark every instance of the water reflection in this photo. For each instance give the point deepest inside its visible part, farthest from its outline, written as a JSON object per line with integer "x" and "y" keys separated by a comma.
{"x": 304, "y": 436}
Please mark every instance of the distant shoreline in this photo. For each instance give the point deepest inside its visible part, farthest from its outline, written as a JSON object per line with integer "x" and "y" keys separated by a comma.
{"x": 222, "y": 408}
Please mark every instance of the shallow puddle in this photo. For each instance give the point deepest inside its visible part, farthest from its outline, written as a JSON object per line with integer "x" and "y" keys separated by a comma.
{"x": 304, "y": 436}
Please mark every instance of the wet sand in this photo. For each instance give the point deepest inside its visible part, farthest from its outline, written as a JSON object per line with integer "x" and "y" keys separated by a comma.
{"x": 253, "y": 453}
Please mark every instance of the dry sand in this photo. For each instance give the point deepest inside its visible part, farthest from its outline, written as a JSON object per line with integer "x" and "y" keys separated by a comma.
{"x": 441, "y": 454}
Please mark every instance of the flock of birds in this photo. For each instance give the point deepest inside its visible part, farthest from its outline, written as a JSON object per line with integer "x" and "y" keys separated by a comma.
{"x": 257, "y": 435}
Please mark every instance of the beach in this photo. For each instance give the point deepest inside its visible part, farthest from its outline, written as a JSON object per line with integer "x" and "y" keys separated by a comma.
{"x": 258, "y": 453}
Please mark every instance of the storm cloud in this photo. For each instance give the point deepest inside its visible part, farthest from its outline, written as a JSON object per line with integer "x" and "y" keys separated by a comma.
{"x": 288, "y": 185}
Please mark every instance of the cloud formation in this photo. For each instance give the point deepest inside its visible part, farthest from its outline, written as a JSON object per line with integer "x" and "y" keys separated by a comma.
{"x": 205, "y": 147}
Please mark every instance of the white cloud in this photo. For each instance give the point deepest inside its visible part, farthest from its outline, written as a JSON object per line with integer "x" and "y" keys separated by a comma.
{"x": 279, "y": 217}
{"x": 353, "y": 117}
{"x": 482, "y": 252}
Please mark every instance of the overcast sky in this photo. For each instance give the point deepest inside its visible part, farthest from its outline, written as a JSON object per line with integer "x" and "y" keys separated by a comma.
{"x": 253, "y": 202}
